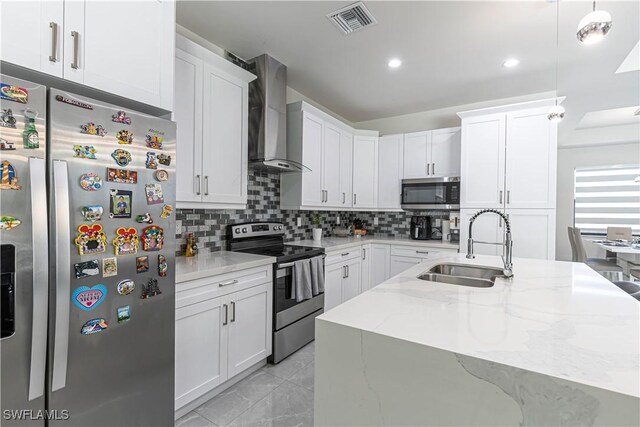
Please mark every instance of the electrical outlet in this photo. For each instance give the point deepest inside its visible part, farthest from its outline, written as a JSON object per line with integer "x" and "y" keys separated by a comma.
{"x": 375, "y": 220}
{"x": 338, "y": 220}
{"x": 299, "y": 222}
{"x": 178, "y": 226}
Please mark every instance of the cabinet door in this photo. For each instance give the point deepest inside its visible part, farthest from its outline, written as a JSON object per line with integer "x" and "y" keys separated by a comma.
{"x": 312, "y": 158}
{"x": 365, "y": 268}
{"x": 415, "y": 154}
{"x": 346, "y": 169}
{"x": 333, "y": 276}
{"x": 31, "y": 34}
{"x": 402, "y": 263}
{"x": 445, "y": 152}
{"x": 249, "y": 327}
{"x": 351, "y": 285}
{"x": 127, "y": 49}
{"x": 533, "y": 232}
{"x": 224, "y": 146}
{"x": 486, "y": 228}
{"x": 531, "y": 160}
{"x": 201, "y": 349}
{"x": 390, "y": 158}
{"x": 331, "y": 166}
{"x": 365, "y": 166}
{"x": 187, "y": 113}
{"x": 380, "y": 260}
{"x": 482, "y": 166}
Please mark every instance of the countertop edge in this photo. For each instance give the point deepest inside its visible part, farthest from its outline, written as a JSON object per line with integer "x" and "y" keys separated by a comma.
{"x": 215, "y": 271}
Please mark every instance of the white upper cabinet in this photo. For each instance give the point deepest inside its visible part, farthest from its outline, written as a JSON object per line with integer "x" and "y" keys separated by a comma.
{"x": 483, "y": 151}
{"x": 486, "y": 228}
{"x": 365, "y": 172}
{"x": 445, "y": 152}
{"x": 31, "y": 34}
{"x": 390, "y": 170}
{"x": 346, "y": 166}
{"x": 212, "y": 117}
{"x": 312, "y": 193}
{"x": 331, "y": 166}
{"x": 416, "y": 149}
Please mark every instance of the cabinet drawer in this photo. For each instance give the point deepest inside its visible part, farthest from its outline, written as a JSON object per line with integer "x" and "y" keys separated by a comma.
{"x": 195, "y": 291}
{"x": 343, "y": 255}
{"x": 413, "y": 251}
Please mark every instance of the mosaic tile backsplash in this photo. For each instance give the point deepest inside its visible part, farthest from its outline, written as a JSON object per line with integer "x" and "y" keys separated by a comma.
{"x": 263, "y": 204}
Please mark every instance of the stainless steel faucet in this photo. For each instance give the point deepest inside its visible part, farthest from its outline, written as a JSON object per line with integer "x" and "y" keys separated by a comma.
{"x": 508, "y": 243}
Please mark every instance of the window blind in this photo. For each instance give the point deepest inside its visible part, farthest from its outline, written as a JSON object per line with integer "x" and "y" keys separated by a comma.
{"x": 607, "y": 196}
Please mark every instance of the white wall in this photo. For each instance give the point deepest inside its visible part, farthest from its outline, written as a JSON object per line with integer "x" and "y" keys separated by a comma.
{"x": 568, "y": 160}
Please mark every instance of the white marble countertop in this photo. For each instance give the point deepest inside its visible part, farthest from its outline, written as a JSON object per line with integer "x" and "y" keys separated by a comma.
{"x": 338, "y": 243}
{"x": 556, "y": 318}
{"x": 214, "y": 263}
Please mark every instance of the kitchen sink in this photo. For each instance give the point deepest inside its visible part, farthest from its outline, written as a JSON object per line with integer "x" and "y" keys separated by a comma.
{"x": 462, "y": 275}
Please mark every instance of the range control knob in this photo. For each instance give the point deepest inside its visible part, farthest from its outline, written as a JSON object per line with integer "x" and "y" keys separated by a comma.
{"x": 244, "y": 230}
{"x": 279, "y": 227}
{"x": 237, "y": 230}
{"x": 275, "y": 227}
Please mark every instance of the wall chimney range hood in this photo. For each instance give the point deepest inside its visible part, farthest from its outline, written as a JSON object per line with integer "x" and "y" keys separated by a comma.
{"x": 268, "y": 117}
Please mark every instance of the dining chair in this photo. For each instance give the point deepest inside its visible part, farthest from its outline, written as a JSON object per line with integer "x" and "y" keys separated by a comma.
{"x": 631, "y": 288}
{"x": 603, "y": 266}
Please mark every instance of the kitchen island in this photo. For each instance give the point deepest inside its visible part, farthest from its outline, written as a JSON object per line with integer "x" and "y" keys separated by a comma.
{"x": 555, "y": 345}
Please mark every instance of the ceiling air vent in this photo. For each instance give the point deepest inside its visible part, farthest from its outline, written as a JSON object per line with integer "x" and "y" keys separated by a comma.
{"x": 352, "y": 18}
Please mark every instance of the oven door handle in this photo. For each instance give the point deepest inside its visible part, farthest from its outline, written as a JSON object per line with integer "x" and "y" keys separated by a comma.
{"x": 290, "y": 264}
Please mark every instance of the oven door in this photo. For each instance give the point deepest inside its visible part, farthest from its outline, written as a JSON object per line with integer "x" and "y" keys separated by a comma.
{"x": 431, "y": 193}
{"x": 287, "y": 310}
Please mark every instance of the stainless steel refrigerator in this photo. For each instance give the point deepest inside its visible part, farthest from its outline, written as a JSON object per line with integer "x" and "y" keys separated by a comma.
{"x": 87, "y": 234}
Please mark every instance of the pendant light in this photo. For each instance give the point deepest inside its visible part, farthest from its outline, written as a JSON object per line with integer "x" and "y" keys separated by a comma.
{"x": 556, "y": 113}
{"x": 594, "y": 26}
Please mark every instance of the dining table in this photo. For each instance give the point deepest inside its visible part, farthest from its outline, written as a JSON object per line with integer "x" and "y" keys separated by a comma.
{"x": 627, "y": 255}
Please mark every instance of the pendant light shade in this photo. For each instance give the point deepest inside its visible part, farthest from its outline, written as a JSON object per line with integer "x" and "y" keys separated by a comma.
{"x": 594, "y": 26}
{"x": 556, "y": 113}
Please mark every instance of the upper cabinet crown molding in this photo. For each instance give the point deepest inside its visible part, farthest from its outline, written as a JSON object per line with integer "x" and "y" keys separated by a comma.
{"x": 548, "y": 102}
{"x": 327, "y": 118}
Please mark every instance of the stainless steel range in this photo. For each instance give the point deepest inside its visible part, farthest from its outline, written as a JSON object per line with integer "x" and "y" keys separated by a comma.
{"x": 293, "y": 321}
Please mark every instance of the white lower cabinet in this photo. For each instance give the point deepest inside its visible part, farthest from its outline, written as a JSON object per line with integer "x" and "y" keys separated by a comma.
{"x": 342, "y": 277}
{"x": 365, "y": 268}
{"x": 486, "y": 228}
{"x": 351, "y": 285}
{"x": 404, "y": 257}
{"x": 402, "y": 263}
{"x": 218, "y": 338}
{"x": 380, "y": 258}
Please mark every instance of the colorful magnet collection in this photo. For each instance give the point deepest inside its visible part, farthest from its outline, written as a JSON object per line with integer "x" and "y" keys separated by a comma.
{"x": 121, "y": 117}
{"x": 87, "y": 298}
{"x": 6, "y": 145}
{"x": 124, "y": 137}
{"x": 142, "y": 264}
{"x": 125, "y": 287}
{"x": 92, "y": 213}
{"x": 152, "y": 238}
{"x": 91, "y": 239}
{"x": 6, "y": 118}
{"x": 120, "y": 204}
{"x": 126, "y": 241}
{"x": 122, "y": 157}
{"x": 90, "y": 182}
{"x": 9, "y": 222}
{"x": 154, "y": 194}
{"x": 84, "y": 152}
{"x": 14, "y": 93}
{"x": 109, "y": 267}
{"x": 161, "y": 175}
{"x": 122, "y": 176}
{"x": 94, "y": 326}
{"x": 87, "y": 268}
{"x": 123, "y": 314}
{"x": 154, "y": 141}
{"x": 9, "y": 178}
{"x": 93, "y": 129}
{"x": 145, "y": 218}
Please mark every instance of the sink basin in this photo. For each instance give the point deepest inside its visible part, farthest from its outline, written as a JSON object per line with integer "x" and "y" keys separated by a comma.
{"x": 462, "y": 275}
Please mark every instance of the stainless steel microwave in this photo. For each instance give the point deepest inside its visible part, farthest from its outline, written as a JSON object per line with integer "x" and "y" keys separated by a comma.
{"x": 431, "y": 193}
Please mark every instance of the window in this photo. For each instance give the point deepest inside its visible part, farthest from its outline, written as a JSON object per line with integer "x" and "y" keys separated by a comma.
{"x": 607, "y": 196}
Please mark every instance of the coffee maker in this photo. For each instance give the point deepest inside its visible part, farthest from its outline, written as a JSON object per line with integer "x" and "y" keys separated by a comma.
{"x": 420, "y": 227}
{"x": 454, "y": 227}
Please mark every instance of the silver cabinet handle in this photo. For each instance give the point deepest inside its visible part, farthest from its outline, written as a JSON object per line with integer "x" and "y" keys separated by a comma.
{"x": 38, "y": 177}
{"x": 326, "y": 196}
{"x": 508, "y": 196}
{"x": 62, "y": 242}
{"x": 428, "y": 168}
{"x": 422, "y": 252}
{"x": 232, "y": 282}
{"x": 364, "y": 253}
{"x": 198, "y": 183}
{"x": 344, "y": 198}
{"x": 54, "y": 42}
{"x": 433, "y": 168}
{"x": 347, "y": 270}
{"x": 226, "y": 314}
{"x": 500, "y": 196}
{"x": 206, "y": 185}
{"x": 355, "y": 199}
{"x": 344, "y": 271}
{"x": 233, "y": 311}
{"x": 76, "y": 37}
{"x": 345, "y": 254}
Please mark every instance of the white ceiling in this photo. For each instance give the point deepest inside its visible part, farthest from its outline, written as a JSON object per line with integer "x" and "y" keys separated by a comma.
{"x": 452, "y": 52}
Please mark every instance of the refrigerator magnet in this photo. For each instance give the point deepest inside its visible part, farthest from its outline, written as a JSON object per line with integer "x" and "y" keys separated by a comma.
{"x": 14, "y": 93}
{"x": 87, "y": 298}
{"x": 74, "y": 102}
{"x": 94, "y": 326}
{"x": 122, "y": 176}
{"x": 84, "y": 152}
{"x": 163, "y": 267}
{"x": 91, "y": 239}
{"x": 154, "y": 141}
{"x": 162, "y": 175}
{"x": 120, "y": 204}
{"x": 152, "y": 238}
{"x": 124, "y": 137}
{"x": 109, "y": 267}
{"x": 6, "y": 118}
{"x": 126, "y": 241}
{"x": 154, "y": 194}
{"x": 87, "y": 268}
{"x": 9, "y": 222}
{"x": 9, "y": 177}
{"x": 93, "y": 129}
{"x": 6, "y": 145}
{"x": 166, "y": 211}
{"x": 124, "y": 314}
{"x": 125, "y": 287}
{"x": 152, "y": 161}
{"x": 121, "y": 117}
{"x": 122, "y": 157}
{"x": 164, "y": 159}
{"x": 90, "y": 182}
{"x": 92, "y": 213}
{"x": 144, "y": 218}
{"x": 150, "y": 289}
{"x": 142, "y": 264}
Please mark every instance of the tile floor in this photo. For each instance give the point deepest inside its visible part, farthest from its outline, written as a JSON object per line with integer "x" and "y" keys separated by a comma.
{"x": 275, "y": 395}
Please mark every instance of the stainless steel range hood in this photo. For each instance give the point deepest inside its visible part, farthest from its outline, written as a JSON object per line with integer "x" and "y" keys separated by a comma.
{"x": 268, "y": 117}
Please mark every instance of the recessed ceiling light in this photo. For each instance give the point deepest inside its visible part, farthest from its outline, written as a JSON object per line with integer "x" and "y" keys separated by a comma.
{"x": 394, "y": 63}
{"x": 511, "y": 62}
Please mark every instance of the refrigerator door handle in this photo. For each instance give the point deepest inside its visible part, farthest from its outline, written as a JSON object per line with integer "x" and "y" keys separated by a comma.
{"x": 62, "y": 244}
{"x": 37, "y": 178}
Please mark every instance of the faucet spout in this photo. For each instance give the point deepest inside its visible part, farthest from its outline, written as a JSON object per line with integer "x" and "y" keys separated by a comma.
{"x": 507, "y": 258}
